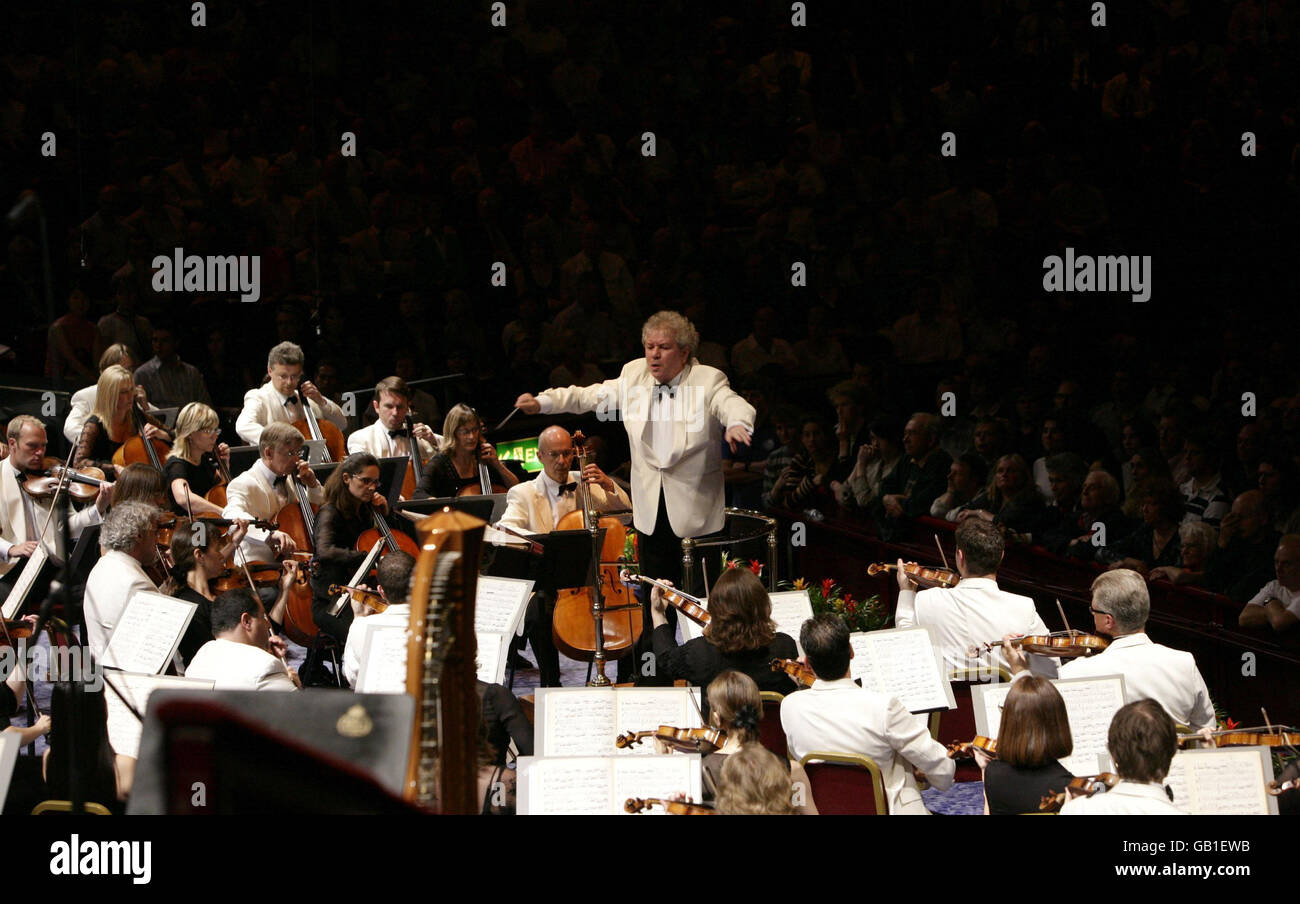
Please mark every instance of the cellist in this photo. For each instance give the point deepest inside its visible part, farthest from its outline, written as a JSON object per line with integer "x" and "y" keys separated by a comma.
{"x": 263, "y": 490}
{"x": 192, "y": 467}
{"x": 389, "y": 437}
{"x": 277, "y": 400}
{"x": 111, "y": 424}
{"x": 536, "y": 506}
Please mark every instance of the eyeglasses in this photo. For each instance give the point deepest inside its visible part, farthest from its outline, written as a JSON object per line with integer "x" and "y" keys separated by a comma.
{"x": 558, "y": 453}
{"x": 211, "y": 431}
{"x": 1096, "y": 611}
{"x": 366, "y": 481}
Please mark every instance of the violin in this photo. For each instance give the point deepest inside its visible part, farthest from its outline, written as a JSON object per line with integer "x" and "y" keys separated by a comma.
{"x": 365, "y": 597}
{"x": 264, "y": 574}
{"x": 685, "y": 740}
{"x": 922, "y": 575}
{"x": 82, "y": 483}
{"x": 1277, "y": 789}
{"x": 671, "y": 807}
{"x": 1248, "y": 737}
{"x": 1065, "y": 644}
{"x": 14, "y": 630}
{"x": 1080, "y": 786}
{"x": 963, "y": 750}
{"x": 800, "y": 672}
{"x": 690, "y": 606}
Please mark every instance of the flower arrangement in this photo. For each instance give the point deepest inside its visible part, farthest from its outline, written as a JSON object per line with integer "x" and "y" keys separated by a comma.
{"x": 754, "y": 565}
{"x": 860, "y": 615}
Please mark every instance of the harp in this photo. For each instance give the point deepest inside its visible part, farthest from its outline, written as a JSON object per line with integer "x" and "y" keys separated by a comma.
{"x": 442, "y": 769}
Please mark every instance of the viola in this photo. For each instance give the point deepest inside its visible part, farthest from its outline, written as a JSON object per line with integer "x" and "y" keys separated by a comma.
{"x": 1080, "y": 786}
{"x": 671, "y": 807}
{"x": 800, "y": 672}
{"x": 685, "y": 740}
{"x": 1065, "y": 644}
{"x": 690, "y": 606}
{"x": 361, "y": 595}
{"x": 963, "y": 750}
{"x": 922, "y": 575}
{"x": 82, "y": 483}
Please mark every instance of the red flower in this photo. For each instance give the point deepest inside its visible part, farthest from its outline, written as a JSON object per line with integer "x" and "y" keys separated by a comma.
{"x": 850, "y": 605}
{"x": 732, "y": 563}
{"x": 1229, "y": 724}
{"x": 827, "y": 584}
{"x": 756, "y": 566}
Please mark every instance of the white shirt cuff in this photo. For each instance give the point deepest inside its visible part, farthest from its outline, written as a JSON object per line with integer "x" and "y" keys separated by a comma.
{"x": 545, "y": 403}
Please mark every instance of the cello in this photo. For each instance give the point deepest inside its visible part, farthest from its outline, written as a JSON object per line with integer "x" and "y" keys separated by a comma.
{"x": 393, "y": 541}
{"x": 311, "y": 428}
{"x": 576, "y": 612}
{"x": 298, "y": 520}
{"x": 137, "y": 448}
{"x": 414, "y": 467}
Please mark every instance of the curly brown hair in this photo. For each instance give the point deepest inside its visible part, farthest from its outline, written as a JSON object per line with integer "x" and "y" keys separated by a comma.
{"x": 740, "y": 613}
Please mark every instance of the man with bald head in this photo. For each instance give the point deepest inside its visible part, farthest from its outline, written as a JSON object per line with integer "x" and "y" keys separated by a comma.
{"x": 536, "y": 506}
{"x": 1277, "y": 605}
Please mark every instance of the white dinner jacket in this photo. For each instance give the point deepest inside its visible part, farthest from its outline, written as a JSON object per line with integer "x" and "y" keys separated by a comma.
{"x": 840, "y": 717}
{"x": 115, "y": 578}
{"x": 80, "y": 406}
{"x": 691, "y": 476}
{"x": 1150, "y": 670}
{"x": 528, "y": 509}
{"x": 251, "y": 496}
{"x": 396, "y": 614}
{"x": 375, "y": 440}
{"x": 13, "y": 520}
{"x": 237, "y": 666}
{"x": 973, "y": 613}
{"x": 264, "y": 406}
{"x": 1125, "y": 799}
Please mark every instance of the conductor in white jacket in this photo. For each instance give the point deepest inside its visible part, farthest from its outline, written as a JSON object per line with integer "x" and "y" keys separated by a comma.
{"x": 676, "y": 412}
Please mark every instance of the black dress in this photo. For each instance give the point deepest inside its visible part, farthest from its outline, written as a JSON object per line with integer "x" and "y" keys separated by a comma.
{"x": 698, "y": 661}
{"x": 201, "y": 477}
{"x": 336, "y": 535}
{"x": 101, "y": 450}
{"x": 1012, "y": 790}
{"x": 199, "y": 631}
{"x": 441, "y": 480}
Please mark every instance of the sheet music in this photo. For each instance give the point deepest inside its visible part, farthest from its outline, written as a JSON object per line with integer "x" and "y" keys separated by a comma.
{"x": 26, "y": 578}
{"x": 901, "y": 662}
{"x": 580, "y": 786}
{"x": 790, "y": 609}
{"x": 499, "y": 604}
{"x": 656, "y": 776}
{"x": 148, "y": 632}
{"x": 1228, "y": 781}
{"x": 576, "y": 722}
{"x": 383, "y": 661}
{"x": 690, "y": 630}
{"x": 123, "y": 727}
{"x": 1090, "y": 704}
{"x": 601, "y": 785}
{"x": 9, "y": 747}
{"x": 491, "y": 662}
{"x": 646, "y": 708}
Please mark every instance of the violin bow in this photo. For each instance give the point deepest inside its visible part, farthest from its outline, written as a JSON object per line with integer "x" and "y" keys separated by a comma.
{"x": 1269, "y": 724}
{"x": 942, "y": 557}
{"x": 64, "y": 480}
{"x": 1065, "y": 621}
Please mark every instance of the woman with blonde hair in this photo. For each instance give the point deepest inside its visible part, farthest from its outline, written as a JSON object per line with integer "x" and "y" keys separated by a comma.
{"x": 754, "y": 783}
{"x": 111, "y": 424}
{"x": 192, "y": 467}
{"x": 1011, "y": 498}
{"x": 463, "y": 449}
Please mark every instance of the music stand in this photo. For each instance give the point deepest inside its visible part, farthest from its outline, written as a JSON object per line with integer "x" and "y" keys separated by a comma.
{"x": 481, "y": 507}
{"x": 242, "y": 458}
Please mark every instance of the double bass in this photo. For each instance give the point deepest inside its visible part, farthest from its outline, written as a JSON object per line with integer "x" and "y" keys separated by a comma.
{"x": 616, "y": 609}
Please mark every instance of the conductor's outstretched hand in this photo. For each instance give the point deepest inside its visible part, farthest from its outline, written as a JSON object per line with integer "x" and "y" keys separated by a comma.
{"x": 735, "y": 435}
{"x": 528, "y": 404}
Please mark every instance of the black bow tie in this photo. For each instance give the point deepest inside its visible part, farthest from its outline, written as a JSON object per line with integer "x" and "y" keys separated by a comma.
{"x": 568, "y": 488}
{"x": 291, "y": 400}
{"x": 663, "y": 389}
{"x": 20, "y": 476}
{"x": 279, "y": 481}
{"x": 394, "y": 434}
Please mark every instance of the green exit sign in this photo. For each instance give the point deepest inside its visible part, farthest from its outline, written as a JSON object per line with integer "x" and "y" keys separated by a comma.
{"x": 523, "y": 451}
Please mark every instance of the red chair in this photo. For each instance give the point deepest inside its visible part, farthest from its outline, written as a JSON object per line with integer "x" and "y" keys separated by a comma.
{"x": 845, "y": 784}
{"x": 770, "y": 733}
